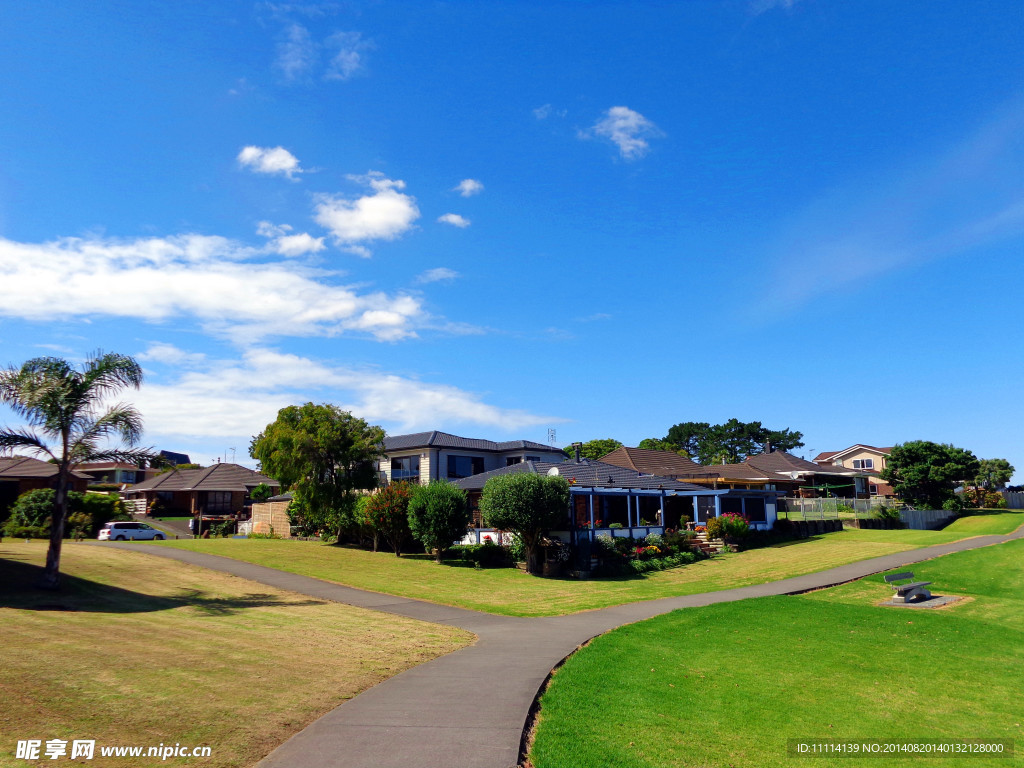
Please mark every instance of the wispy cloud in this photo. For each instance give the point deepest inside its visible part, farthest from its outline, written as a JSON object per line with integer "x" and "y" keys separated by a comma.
{"x": 437, "y": 275}
{"x": 385, "y": 214}
{"x": 270, "y": 160}
{"x": 469, "y": 187}
{"x": 168, "y": 354}
{"x": 626, "y": 129}
{"x": 757, "y": 7}
{"x": 968, "y": 197}
{"x": 237, "y": 398}
{"x": 193, "y": 277}
{"x": 297, "y": 54}
{"x": 454, "y": 219}
{"x": 546, "y": 111}
{"x": 346, "y": 51}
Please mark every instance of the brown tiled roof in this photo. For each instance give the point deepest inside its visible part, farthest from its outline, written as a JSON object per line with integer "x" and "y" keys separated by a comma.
{"x": 664, "y": 463}
{"x": 827, "y": 455}
{"x": 780, "y": 461}
{"x": 98, "y": 465}
{"x": 734, "y": 472}
{"x": 219, "y": 477}
{"x": 15, "y": 467}
{"x": 824, "y": 456}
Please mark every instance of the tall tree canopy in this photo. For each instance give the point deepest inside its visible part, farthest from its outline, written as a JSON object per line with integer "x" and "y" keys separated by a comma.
{"x": 731, "y": 442}
{"x": 925, "y": 474}
{"x": 993, "y": 474}
{"x": 66, "y": 421}
{"x": 595, "y": 449}
{"x": 325, "y": 456}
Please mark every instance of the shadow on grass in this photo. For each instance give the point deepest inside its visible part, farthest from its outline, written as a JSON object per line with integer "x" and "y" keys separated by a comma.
{"x": 18, "y": 590}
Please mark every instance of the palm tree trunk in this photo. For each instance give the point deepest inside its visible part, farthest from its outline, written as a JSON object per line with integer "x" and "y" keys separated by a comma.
{"x": 51, "y": 574}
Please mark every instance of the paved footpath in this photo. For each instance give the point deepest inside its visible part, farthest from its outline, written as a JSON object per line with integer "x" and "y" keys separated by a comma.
{"x": 468, "y": 709}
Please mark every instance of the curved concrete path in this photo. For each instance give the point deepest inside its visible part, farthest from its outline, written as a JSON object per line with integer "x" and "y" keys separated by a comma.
{"x": 467, "y": 709}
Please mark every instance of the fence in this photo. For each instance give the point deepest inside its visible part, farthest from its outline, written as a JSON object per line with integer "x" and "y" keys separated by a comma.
{"x": 826, "y": 509}
{"x": 1014, "y": 499}
{"x": 135, "y": 506}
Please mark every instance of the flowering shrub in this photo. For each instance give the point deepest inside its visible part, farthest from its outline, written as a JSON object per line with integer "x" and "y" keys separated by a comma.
{"x": 730, "y": 524}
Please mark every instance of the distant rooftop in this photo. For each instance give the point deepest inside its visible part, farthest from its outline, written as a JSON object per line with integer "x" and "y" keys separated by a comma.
{"x": 437, "y": 439}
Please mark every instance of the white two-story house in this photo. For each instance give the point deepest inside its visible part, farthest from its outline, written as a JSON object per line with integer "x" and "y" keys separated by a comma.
{"x": 426, "y": 456}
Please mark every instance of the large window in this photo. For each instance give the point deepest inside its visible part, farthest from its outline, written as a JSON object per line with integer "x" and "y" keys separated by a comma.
{"x": 464, "y": 466}
{"x": 863, "y": 463}
{"x": 510, "y": 460}
{"x": 218, "y": 502}
{"x": 406, "y": 468}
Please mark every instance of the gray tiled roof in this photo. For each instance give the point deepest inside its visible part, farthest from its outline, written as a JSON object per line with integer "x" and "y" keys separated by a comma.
{"x": 587, "y": 474}
{"x": 437, "y": 439}
{"x": 14, "y": 467}
{"x": 219, "y": 477}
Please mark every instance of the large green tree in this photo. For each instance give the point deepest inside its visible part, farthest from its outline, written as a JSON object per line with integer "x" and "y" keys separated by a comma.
{"x": 439, "y": 515}
{"x": 63, "y": 409}
{"x": 993, "y": 474}
{"x": 925, "y": 474}
{"x": 594, "y": 449}
{"x": 325, "y": 456}
{"x": 529, "y": 505}
{"x": 731, "y": 442}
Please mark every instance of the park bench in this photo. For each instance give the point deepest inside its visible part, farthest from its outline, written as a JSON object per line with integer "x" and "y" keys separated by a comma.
{"x": 906, "y": 593}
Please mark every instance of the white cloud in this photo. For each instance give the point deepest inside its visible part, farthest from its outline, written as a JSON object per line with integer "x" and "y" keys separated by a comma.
{"x": 437, "y": 275}
{"x": 386, "y": 214}
{"x": 454, "y": 219}
{"x": 469, "y": 187}
{"x": 627, "y": 129}
{"x": 270, "y": 160}
{"x": 347, "y": 50}
{"x": 217, "y": 281}
{"x": 162, "y": 352}
{"x": 290, "y": 245}
{"x": 238, "y": 398}
{"x": 297, "y": 54}
{"x": 542, "y": 113}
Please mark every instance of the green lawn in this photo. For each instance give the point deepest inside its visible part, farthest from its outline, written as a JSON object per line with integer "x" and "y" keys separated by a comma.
{"x": 727, "y": 685}
{"x": 141, "y": 650}
{"x": 514, "y": 593}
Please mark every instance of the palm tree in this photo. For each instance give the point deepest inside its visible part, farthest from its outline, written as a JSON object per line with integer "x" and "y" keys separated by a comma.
{"x": 66, "y": 420}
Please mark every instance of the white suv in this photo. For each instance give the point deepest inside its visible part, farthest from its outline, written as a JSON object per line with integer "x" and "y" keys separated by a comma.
{"x": 123, "y": 531}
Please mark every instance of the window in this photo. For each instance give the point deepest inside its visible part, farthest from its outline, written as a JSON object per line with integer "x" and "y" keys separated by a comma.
{"x": 510, "y": 460}
{"x": 406, "y": 468}
{"x": 464, "y": 466}
{"x": 533, "y": 458}
{"x": 873, "y": 489}
{"x": 863, "y": 463}
{"x": 218, "y": 502}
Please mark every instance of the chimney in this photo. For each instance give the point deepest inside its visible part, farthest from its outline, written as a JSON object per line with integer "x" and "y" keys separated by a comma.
{"x": 768, "y": 447}
{"x": 576, "y": 449}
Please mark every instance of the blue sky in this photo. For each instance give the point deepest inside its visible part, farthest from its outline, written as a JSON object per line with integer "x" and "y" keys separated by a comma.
{"x": 500, "y": 218}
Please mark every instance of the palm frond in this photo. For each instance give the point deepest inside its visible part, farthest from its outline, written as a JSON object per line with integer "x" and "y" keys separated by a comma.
{"x": 12, "y": 439}
{"x": 126, "y": 455}
{"x": 108, "y": 372}
{"x": 121, "y": 420}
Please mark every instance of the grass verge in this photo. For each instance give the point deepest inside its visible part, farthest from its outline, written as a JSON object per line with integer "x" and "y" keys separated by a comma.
{"x": 136, "y": 650}
{"x": 513, "y": 593}
{"x": 730, "y": 683}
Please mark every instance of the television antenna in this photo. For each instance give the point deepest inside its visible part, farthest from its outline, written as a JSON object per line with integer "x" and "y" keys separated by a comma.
{"x": 551, "y": 437}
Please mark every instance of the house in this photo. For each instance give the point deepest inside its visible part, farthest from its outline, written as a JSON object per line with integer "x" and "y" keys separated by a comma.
{"x": 807, "y": 479}
{"x": 113, "y": 472}
{"x": 669, "y": 464}
{"x": 19, "y": 474}
{"x": 218, "y": 492}
{"x": 426, "y": 456}
{"x": 603, "y": 495}
{"x": 866, "y": 458}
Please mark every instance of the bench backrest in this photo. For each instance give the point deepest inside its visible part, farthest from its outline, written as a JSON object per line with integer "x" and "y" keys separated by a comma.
{"x": 890, "y": 578}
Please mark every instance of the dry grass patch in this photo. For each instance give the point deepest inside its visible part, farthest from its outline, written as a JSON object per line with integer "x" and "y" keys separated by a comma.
{"x": 138, "y": 650}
